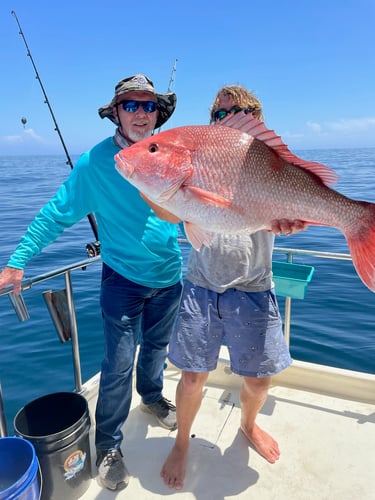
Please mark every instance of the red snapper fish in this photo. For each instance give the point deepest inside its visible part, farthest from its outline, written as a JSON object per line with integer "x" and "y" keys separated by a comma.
{"x": 237, "y": 176}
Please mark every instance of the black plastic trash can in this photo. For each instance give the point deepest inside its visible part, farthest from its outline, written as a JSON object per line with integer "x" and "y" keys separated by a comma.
{"x": 58, "y": 426}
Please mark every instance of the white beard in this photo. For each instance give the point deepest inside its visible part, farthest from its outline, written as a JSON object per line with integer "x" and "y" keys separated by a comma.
{"x": 138, "y": 136}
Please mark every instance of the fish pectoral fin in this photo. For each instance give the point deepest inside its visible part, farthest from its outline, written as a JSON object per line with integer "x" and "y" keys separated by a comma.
{"x": 203, "y": 196}
{"x": 196, "y": 235}
{"x": 169, "y": 192}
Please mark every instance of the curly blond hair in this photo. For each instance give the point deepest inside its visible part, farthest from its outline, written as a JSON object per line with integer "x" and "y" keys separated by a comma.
{"x": 241, "y": 97}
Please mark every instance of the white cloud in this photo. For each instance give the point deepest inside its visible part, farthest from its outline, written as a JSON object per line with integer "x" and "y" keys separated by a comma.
{"x": 11, "y": 139}
{"x": 33, "y": 135}
{"x": 292, "y": 135}
{"x": 351, "y": 125}
{"x": 345, "y": 132}
{"x": 314, "y": 127}
{"x": 27, "y": 136}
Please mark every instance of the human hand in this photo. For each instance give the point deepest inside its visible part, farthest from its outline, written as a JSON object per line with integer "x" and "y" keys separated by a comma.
{"x": 287, "y": 227}
{"x": 159, "y": 211}
{"x": 11, "y": 276}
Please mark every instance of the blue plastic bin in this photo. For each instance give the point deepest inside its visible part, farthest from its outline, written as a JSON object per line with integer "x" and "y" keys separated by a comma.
{"x": 18, "y": 470}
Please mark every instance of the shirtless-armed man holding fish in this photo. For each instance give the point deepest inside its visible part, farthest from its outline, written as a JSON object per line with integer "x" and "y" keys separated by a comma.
{"x": 235, "y": 274}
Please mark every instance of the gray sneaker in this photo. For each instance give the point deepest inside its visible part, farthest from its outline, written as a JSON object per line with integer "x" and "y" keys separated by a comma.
{"x": 164, "y": 411}
{"x": 111, "y": 468}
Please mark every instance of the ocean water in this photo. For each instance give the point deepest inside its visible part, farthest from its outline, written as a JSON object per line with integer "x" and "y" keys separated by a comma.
{"x": 333, "y": 325}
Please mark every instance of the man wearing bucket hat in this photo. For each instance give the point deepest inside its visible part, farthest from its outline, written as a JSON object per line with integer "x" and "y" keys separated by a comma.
{"x": 141, "y": 274}
{"x": 166, "y": 103}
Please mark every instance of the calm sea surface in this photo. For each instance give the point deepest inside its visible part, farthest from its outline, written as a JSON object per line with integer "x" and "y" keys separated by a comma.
{"x": 333, "y": 325}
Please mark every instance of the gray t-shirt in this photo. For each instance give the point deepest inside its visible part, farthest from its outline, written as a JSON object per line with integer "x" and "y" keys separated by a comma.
{"x": 242, "y": 261}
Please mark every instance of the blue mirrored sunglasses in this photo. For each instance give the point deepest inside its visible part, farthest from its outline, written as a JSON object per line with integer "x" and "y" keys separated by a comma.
{"x": 132, "y": 106}
{"x": 222, "y": 113}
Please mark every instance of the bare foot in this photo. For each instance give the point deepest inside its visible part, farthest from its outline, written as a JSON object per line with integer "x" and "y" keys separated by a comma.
{"x": 263, "y": 443}
{"x": 173, "y": 470}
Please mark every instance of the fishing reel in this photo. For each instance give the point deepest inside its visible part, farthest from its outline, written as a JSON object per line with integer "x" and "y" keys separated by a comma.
{"x": 93, "y": 248}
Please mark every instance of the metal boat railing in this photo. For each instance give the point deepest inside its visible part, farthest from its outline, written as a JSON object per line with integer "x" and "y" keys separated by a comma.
{"x": 290, "y": 253}
{"x": 22, "y": 313}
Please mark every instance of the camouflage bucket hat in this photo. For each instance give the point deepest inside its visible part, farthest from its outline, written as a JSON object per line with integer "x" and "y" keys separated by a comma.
{"x": 166, "y": 102}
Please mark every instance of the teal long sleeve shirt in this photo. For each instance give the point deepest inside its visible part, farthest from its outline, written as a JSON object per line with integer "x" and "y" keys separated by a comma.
{"x": 133, "y": 241}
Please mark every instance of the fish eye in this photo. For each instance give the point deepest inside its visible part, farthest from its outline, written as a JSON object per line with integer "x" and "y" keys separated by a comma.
{"x": 153, "y": 147}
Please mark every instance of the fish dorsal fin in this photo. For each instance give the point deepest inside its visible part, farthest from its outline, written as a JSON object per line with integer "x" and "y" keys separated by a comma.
{"x": 247, "y": 123}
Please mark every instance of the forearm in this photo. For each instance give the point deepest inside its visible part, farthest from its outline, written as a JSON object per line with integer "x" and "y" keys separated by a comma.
{"x": 165, "y": 215}
{"x": 161, "y": 212}
{"x": 44, "y": 229}
{"x": 58, "y": 214}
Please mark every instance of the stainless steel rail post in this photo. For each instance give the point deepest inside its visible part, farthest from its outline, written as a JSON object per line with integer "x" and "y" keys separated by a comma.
{"x": 3, "y": 424}
{"x": 74, "y": 333}
{"x": 288, "y": 311}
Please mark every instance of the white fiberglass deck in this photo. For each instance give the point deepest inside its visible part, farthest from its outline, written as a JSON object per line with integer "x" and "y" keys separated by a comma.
{"x": 327, "y": 442}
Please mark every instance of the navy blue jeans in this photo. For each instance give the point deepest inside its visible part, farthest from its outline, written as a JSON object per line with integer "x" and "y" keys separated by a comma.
{"x": 132, "y": 314}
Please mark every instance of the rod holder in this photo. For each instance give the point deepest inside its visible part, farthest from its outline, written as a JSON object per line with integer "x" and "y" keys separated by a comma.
{"x": 19, "y": 306}
{"x": 57, "y": 304}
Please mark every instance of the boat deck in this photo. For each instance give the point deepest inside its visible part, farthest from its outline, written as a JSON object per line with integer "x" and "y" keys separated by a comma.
{"x": 326, "y": 440}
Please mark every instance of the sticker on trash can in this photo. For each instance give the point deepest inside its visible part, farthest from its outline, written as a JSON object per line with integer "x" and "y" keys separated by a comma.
{"x": 74, "y": 464}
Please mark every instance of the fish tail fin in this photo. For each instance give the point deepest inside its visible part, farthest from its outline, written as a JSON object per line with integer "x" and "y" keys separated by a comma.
{"x": 361, "y": 241}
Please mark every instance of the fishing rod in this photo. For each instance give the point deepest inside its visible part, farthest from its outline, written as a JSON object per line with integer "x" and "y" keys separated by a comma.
{"x": 91, "y": 248}
{"x": 171, "y": 80}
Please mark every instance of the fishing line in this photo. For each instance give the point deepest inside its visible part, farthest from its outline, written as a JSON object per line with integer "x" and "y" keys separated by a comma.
{"x": 91, "y": 248}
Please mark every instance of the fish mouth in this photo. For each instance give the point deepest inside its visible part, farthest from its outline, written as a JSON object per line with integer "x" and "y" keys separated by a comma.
{"x": 123, "y": 167}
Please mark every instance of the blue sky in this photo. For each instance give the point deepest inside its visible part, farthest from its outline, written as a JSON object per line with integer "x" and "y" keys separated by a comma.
{"x": 310, "y": 62}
